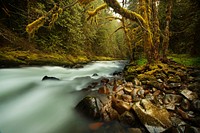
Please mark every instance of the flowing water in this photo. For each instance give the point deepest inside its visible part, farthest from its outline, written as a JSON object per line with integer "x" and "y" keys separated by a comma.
{"x": 29, "y": 105}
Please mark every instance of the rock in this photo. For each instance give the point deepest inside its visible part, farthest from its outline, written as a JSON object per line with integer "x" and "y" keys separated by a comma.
{"x": 129, "y": 84}
{"x": 174, "y": 79}
{"x": 185, "y": 104}
{"x": 119, "y": 88}
{"x": 127, "y": 98}
{"x": 94, "y": 84}
{"x": 195, "y": 73}
{"x": 138, "y": 91}
{"x": 153, "y": 118}
{"x": 116, "y": 73}
{"x": 95, "y": 74}
{"x": 105, "y": 80}
{"x": 127, "y": 118}
{"x": 137, "y": 82}
{"x": 120, "y": 93}
{"x": 128, "y": 90}
{"x": 159, "y": 80}
{"x": 103, "y": 90}
{"x": 189, "y": 94}
{"x": 120, "y": 106}
{"x": 111, "y": 127}
{"x": 108, "y": 113}
{"x": 174, "y": 85}
{"x": 156, "y": 93}
{"x": 78, "y": 66}
{"x": 50, "y": 78}
{"x": 134, "y": 130}
{"x": 194, "y": 87}
{"x": 196, "y": 105}
{"x": 171, "y": 100}
{"x": 90, "y": 107}
{"x": 183, "y": 129}
{"x": 183, "y": 114}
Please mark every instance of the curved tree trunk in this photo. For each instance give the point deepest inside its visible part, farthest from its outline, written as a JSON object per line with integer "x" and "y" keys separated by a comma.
{"x": 142, "y": 20}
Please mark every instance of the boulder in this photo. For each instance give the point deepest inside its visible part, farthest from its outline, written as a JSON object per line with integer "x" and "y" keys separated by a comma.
{"x": 171, "y": 101}
{"x": 104, "y": 90}
{"x": 95, "y": 74}
{"x": 127, "y": 118}
{"x": 196, "y": 105}
{"x": 90, "y": 107}
{"x": 189, "y": 94}
{"x": 152, "y": 117}
{"x": 50, "y": 78}
{"x": 120, "y": 106}
{"x": 97, "y": 107}
{"x": 185, "y": 104}
{"x": 127, "y": 98}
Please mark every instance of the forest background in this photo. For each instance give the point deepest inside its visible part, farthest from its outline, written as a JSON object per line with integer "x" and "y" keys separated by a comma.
{"x": 74, "y": 36}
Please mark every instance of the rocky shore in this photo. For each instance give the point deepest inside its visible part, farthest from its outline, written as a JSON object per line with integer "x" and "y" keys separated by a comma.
{"x": 149, "y": 98}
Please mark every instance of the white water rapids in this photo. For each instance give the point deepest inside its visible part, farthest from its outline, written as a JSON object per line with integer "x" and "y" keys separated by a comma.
{"x": 29, "y": 105}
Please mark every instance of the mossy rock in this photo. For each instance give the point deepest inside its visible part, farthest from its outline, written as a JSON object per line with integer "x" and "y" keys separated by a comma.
{"x": 174, "y": 79}
{"x": 129, "y": 78}
{"x": 143, "y": 77}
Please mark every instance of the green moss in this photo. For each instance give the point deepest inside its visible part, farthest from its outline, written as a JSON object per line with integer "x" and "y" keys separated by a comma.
{"x": 185, "y": 59}
{"x": 141, "y": 61}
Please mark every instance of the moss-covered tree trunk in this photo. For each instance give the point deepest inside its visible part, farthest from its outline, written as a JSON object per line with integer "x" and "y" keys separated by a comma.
{"x": 165, "y": 43}
{"x": 156, "y": 29}
{"x": 148, "y": 42}
{"x": 127, "y": 39}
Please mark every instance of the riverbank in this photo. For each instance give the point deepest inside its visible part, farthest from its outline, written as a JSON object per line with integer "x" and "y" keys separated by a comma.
{"x": 153, "y": 98}
{"x": 16, "y": 58}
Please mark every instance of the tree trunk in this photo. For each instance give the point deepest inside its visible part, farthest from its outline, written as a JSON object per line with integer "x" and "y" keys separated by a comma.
{"x": 156, "y": 30}
{"x": 148, "y": 43}
{"x": 166, "y": 32}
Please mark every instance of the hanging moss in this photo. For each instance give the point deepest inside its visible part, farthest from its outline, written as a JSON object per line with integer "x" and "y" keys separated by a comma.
{"x": 95, "y": 11}
{"x": 84, "y": 2}
{"x": 53, "y": 19}
{"x": 35, "y": 25}
{"x": 60, "y": 10}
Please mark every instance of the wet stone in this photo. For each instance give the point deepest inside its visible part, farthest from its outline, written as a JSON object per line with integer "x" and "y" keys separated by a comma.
{"x": 134, "y": 130}
{"x": 185, "y": 104}
{"x": 128, "y": 90}
{"x": 152, "y": 117}
{"x": 127, "y": 98}
{"x": 127, "y": 118}
{"x": 196, "y": 105}
{"x": 171, "y": 101}
{"x": 129, "y": 84}
{"x": 189, "y": 94}
{"x": 174, "y": 79}
{"x": 90, "y": 107}
{"x": 174, "y": 85}
{"x": 137, "y": 82}
{"x": 120, "y": 106}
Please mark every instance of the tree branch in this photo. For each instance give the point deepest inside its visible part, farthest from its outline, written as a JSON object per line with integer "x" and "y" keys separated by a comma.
{"x": 126, "y": 13}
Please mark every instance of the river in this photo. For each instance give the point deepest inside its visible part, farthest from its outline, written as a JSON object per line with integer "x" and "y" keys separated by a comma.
{"x": 29, "y": 105}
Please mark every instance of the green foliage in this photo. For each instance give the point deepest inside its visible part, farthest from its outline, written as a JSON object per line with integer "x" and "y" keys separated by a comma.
{"x": 185, "y": 20}
{"x": 186, "y": 59}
